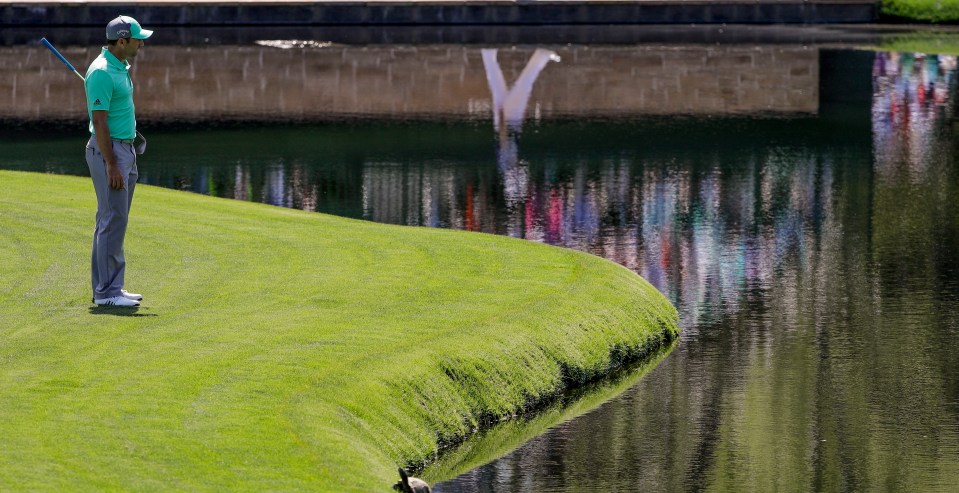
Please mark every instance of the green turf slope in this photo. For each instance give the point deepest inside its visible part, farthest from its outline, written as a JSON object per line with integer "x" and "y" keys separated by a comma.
{"x": 922, "y": 10}
{"x": 279, "y": 349}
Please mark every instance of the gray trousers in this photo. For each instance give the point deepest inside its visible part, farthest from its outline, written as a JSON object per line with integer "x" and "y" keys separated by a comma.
{"x": 113, "y": 210}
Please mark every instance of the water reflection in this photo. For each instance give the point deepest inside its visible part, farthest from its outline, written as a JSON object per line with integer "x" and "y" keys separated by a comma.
{"x": 911, "y": 102}
{"x": 819, "y": 290}
{"x": 813, "y": 259}
{"x": 698, "y": 232}
{"x": 701, "y": 226}
{"x": 509, "y": 111}
{"x": 509, "y": 103}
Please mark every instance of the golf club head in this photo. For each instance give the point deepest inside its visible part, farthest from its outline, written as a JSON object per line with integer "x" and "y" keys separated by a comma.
{"x": 140, "y": 143}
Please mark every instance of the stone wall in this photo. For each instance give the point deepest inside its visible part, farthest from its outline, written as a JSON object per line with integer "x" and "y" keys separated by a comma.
{"x": 266, "y": 83}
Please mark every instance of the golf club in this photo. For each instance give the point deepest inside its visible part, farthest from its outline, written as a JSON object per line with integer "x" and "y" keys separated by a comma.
{"x": 140, "y": 143}
{"x": 61, "y": 57}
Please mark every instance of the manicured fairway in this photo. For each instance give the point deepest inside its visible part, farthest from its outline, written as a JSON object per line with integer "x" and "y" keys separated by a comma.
{"x": 278, "y": 349}
{"x": 923, "y": 10}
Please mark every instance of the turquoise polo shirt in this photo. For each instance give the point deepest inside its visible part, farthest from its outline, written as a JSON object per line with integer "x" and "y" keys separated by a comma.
{"x": 110, "y": 88}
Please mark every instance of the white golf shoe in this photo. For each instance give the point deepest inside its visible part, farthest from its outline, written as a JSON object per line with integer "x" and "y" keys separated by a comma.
{"x": 131, "y": 296}
{"x": 116, "y": 301}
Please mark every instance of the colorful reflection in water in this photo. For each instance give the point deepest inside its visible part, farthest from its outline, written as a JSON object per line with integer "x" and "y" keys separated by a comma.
{"x": 691, "y": 223}
{"x": 813, "y": 258}
{"x": 819, "y": 289}
{"x": 911, "y": 102}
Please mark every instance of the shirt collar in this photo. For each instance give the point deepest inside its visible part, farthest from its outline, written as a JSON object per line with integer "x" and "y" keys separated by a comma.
{"x": 113, "y": 61}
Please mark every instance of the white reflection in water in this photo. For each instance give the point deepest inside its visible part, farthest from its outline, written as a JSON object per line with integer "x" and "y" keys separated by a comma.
{"x": 275, "y": 191}
{"x": 509, "y": 111}
{"x": 509, "y": 103}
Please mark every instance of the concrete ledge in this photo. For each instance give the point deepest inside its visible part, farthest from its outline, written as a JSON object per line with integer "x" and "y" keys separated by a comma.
{"x": 333, "y": 13}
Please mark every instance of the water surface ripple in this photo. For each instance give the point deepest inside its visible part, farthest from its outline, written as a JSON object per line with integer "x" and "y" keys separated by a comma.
{"x": 811, "y": 246}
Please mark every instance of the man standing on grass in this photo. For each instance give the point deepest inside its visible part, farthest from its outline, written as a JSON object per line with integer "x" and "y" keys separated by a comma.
{"x": 111, "y": 156}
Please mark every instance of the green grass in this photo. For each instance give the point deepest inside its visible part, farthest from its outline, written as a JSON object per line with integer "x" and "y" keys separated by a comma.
{"x": 279, "y": 349}
{"x": 506, "y": 437}
{"x": 922, "y": 10}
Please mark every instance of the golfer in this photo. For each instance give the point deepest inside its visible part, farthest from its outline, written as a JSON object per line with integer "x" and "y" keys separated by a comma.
{"x": 111, "y": 156}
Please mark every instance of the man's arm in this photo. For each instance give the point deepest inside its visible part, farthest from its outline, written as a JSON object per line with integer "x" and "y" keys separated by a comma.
{"x": 102, "y": 132}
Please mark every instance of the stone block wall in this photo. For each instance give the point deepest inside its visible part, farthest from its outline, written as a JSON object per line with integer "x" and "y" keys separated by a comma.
{"x": 314, "y": 83}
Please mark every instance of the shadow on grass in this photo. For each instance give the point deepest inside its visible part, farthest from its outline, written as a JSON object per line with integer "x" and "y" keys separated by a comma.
{"x": 120, "y": 311}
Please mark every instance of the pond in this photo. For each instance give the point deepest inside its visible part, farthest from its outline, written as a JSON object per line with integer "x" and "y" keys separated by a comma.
{"x": 796, "y": 202}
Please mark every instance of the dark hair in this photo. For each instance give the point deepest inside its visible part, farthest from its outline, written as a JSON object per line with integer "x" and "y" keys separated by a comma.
{"x": 113, "y": 42}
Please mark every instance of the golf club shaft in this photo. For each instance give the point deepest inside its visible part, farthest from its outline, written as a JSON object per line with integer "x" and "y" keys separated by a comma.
{"x": 61, "y": 57}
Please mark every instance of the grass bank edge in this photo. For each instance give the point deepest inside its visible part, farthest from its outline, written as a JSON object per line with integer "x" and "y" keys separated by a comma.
{"x": 351, "y": 419}
{"x": 492, "y": 443}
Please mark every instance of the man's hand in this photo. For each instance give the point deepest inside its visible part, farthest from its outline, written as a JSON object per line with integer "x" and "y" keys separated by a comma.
{"x": 102, "y": 130}
{"x": 114, "y": 177}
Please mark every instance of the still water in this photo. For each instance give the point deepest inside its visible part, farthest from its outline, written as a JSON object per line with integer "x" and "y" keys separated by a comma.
{"x": 798, "y": 205}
